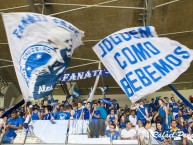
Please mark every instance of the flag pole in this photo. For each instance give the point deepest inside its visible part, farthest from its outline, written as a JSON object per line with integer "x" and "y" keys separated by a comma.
{"x": 95, "y": 86}
{"x": 180, "y": 96}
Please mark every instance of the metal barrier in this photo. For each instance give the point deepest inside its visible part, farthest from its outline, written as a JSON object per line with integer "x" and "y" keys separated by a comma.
{"x": 64, "y": 132}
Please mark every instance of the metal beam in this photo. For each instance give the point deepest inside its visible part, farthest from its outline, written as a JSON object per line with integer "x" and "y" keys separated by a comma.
{"x": 149, "y": 12}
{"x": 166, "y": 3}
{"x": 3, "y": 84}
{"x": 32, "y": 6}
{"x": 85, "y": 7}
{"x": 65, "y": 88}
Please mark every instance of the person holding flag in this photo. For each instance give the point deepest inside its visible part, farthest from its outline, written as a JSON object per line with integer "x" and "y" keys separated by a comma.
{"x": 142, "y": 113}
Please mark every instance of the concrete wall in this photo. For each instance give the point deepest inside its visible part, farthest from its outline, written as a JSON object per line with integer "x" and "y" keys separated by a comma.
{"x": 11, "y": 94}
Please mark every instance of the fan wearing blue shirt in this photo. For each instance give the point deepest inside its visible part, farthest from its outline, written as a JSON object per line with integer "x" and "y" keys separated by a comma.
{"x": 94, "y": 124}
{"x": 174, "y": 106}
{"x": 126, "y": 109}
{"x": 159, "y": 135}
{"x": 146, "y": 105}
{"x": 20, "y": 118}
{"x": 36, "y": 115}
{"x": 75, "y": 112}
{"x": 86, "y": 111}
{"x": 114, "y": 135}
{"x": 12, "y": 125}
{"x": 142, "y": 113}
{"x": 47, "y": 110}
{"x": 113, "y": 107}
{"x": 152, "y": 105}
{"x": 63, "y": 114}
{"x": 80, "y": 109}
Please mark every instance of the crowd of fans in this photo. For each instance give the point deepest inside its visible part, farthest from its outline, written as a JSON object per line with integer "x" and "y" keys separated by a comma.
{"x": 172, "y": 121}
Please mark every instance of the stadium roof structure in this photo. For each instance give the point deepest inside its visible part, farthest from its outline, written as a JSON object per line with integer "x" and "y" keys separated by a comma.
{"x": 99, "y": 18}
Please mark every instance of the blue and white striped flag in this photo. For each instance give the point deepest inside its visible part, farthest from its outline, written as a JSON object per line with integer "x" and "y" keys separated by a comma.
{"x": 75, "y": 93}
{"x": 104, "y": 89}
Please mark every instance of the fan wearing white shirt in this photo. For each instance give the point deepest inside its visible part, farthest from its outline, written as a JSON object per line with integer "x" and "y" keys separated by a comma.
{"x": 145, "y": 134}
{"x": 133, "y": 118}
{"x": 129, "y": 133}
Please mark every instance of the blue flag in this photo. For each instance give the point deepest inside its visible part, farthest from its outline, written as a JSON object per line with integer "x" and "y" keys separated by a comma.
{"x": 104, "y": 89}
{"x": 75, "y": 93}
{"x": 50, "y": 100}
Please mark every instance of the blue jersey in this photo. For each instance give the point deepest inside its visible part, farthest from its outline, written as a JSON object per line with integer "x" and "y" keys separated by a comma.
{"x": 139, "y": 114}
{"x": 153, "y": 106}
{"x": 47, "y": 116}
{"x": 159, "y": 136}
{"x": 122, "y": 125}
{"x": 10, "y": 134}
{"x": 172, "y": 105}
{"x": 79, "y": 111}
{"x": 111, "y": 118}
{"x": 177, "y": 133}
{"x": 35, "y": 116}
{"x": 183, "y": 128}
{"x": 52, "y": 113}
{"x": 77, "y": 114}
{"x": 126, "y": 109}
{"x": 96, "y": 112}
{"x": 21, "y": 120}
{"x": 11, "y": 131}
{"x": 147, "y": 106}
{"x": 86, "y": 113}
{"x": 61, "y": 115}
{"x": 185, "y": 116}
{"x": 115, "y": 110}
{"x": 112, "y": 136}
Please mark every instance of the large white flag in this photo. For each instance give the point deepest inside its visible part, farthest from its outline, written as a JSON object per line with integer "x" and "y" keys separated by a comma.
{"x": 41, "y": 47}
{"x": 140, "y": 62}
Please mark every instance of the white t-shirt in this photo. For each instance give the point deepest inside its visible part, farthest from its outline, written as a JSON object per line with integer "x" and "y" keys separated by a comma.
{"x": 146, "y": 133}
{"x": 128, "y": 133}
{"x": 133, "y": 120}
{"x": 190, "y": 120}
{"x": 1, "y": 120}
